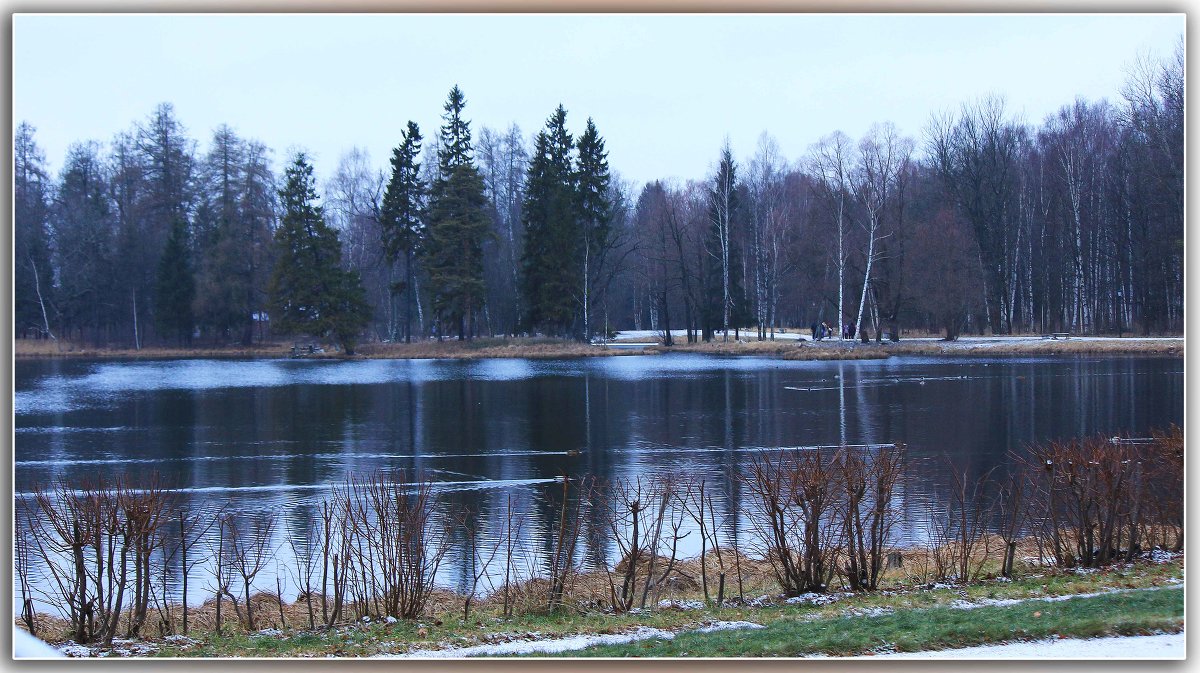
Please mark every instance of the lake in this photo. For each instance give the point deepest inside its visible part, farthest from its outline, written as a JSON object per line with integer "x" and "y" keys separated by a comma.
{"x": 262, "y": 436}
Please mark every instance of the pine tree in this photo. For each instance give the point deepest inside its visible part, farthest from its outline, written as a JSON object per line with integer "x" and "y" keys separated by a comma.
{"x": 32, "y": 274}
{"x": 458, "y": 222}
{"x": 402, "y": 213}
{"x": 85, "y": 246}
{"x": 175, "y": 289}
{"x": 722, "y": 287}
{"x": 595, "y": 217}
{"x": 221, "y": 295}
{"x": 310, "y": 292}
{"x": 550, "y": 264}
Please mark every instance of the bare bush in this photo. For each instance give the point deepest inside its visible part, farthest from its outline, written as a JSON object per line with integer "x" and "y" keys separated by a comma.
{"x": 561, "y": 564}
{"x": 1099, "y": 498}
{"x": 868, "y": 480}
{"x": 87, "y": 539}
{"x": 24, "y": 571}
{"x": 1012, "y": 509}
{"x": 395, "y": 536}
{"x": 697, "y": 503}
{"x": 250, "y": 549}
{"x": 643, "y": 516}
{"x": 960, "y": 544}
{"x": 1161, "y": 491}
{"x": 794, "y": 499}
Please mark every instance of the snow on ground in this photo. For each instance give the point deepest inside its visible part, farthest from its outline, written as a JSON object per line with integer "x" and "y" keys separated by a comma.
{"x": 1166, "y": 646}
{"x": 729, "y": 626}
{"x": 568, "y": 644}
{"x": 550, "y": 646}
{"x": 650, "y": 335}
{"x": 582, "y": 641}
{"x": 653, "y": 336}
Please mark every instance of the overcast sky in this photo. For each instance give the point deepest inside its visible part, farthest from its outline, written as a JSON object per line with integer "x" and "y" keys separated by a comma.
{"x": 664, "y": 91}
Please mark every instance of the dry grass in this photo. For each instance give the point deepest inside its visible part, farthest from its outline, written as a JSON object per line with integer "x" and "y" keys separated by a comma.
{"x": 45, "y": 348}
{"x": 537, "y": 349}
{"x": 453, "y": 349}
{"x": 789, "y": 349}
{"x": 784, "y": 349}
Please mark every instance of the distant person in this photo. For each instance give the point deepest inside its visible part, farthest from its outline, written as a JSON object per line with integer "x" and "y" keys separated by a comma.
{"x": 814, "y": 332}
{"x": 828, "y": 331}
{"x": 851, "y": 328}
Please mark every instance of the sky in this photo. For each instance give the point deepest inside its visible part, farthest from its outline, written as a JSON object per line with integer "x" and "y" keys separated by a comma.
{"x": 664, "y": 90}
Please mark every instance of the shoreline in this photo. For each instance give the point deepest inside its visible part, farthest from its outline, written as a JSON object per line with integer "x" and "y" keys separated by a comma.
{"x": 668, "y": 625}
{"x": 785, "y": 347}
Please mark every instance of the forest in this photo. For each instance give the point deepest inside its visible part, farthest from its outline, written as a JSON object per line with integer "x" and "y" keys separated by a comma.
{"x": 983, "y": 223}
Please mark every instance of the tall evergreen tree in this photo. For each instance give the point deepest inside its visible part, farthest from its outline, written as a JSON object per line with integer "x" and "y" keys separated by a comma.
{"x": 402, "y": 214}
{"x": 84, "y": 250}
{"x": 33, "y": 278}
{"x": 722, "y": 283}
{"x": 220, "y": 300}
{"x": 550, "y": 264}
{"x": 310, "y": 292}
{"x": 458, "y": 222}
{"x": 595, "y": 218}
{"x": 175, "y": 289}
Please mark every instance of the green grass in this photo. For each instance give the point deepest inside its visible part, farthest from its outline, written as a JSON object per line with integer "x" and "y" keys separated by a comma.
{"x": 926, "y": 629}
{"x": 448, "y": 629}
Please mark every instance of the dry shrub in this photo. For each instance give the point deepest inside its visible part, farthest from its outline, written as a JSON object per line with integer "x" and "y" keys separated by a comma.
{"x": 868, "y": 481}
{"x": 1097, "y": 499}
{"x": 959, "y": 545}
{"x": 793, "y": 511}
{"x": 643, "y": 517}
{"x": 394, "y": 540}
{"x": 87, "y": 541}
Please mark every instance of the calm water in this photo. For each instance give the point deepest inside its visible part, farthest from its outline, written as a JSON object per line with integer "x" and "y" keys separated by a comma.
{"x": 262, "y": 436}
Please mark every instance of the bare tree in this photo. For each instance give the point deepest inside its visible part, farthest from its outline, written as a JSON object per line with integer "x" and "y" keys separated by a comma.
{"x": 830, "y": 162}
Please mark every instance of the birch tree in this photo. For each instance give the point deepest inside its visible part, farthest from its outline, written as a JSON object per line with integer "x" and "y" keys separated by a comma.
{"x": 830, "y": 163}
{"x": 882, "y": 153}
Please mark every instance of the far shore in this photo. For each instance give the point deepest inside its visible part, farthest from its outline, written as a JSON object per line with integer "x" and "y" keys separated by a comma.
{"x": 785, "y": 345}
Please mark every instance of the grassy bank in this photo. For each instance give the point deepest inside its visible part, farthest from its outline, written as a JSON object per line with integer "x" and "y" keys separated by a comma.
{"x": 916, "y": 630}
{"x": 838, "y": 350}
{"x": 451, "y": 348}
{"x": 907, "y": 615}
{"x": 539, "y": 348}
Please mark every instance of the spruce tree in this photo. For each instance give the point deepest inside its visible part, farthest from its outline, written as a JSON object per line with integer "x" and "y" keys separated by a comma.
{"x": 457, "y": 224}
{"x": 595, "y": 217}
{"x": 310, "y": 292}
{"x": 550, "y": 263}
{"x": 33, "y": 276}
{"x": 176, "y": 288}
{"x": 401, "y": 215}
{"x": 722, "y": 288}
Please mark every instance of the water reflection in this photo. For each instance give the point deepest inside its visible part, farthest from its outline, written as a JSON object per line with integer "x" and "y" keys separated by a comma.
{"x": 275, "y": 436}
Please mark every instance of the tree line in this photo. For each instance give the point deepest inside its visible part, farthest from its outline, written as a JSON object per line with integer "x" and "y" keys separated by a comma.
{"x": 984, "y": 224}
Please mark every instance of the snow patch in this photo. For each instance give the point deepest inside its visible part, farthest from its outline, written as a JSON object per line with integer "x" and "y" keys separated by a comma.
{"x": 868, "y": 612}
{"x": 728, "y": 626}
{"x": 73, "y": 649}
{"x": 1167, "y": 646}
{"x": 1161, "y": 556}
{"x": 815, "y": 599}
{"x": 178, "y": 640}
{"x": 680, "y": 605}
{"x": 551, "y": 646}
